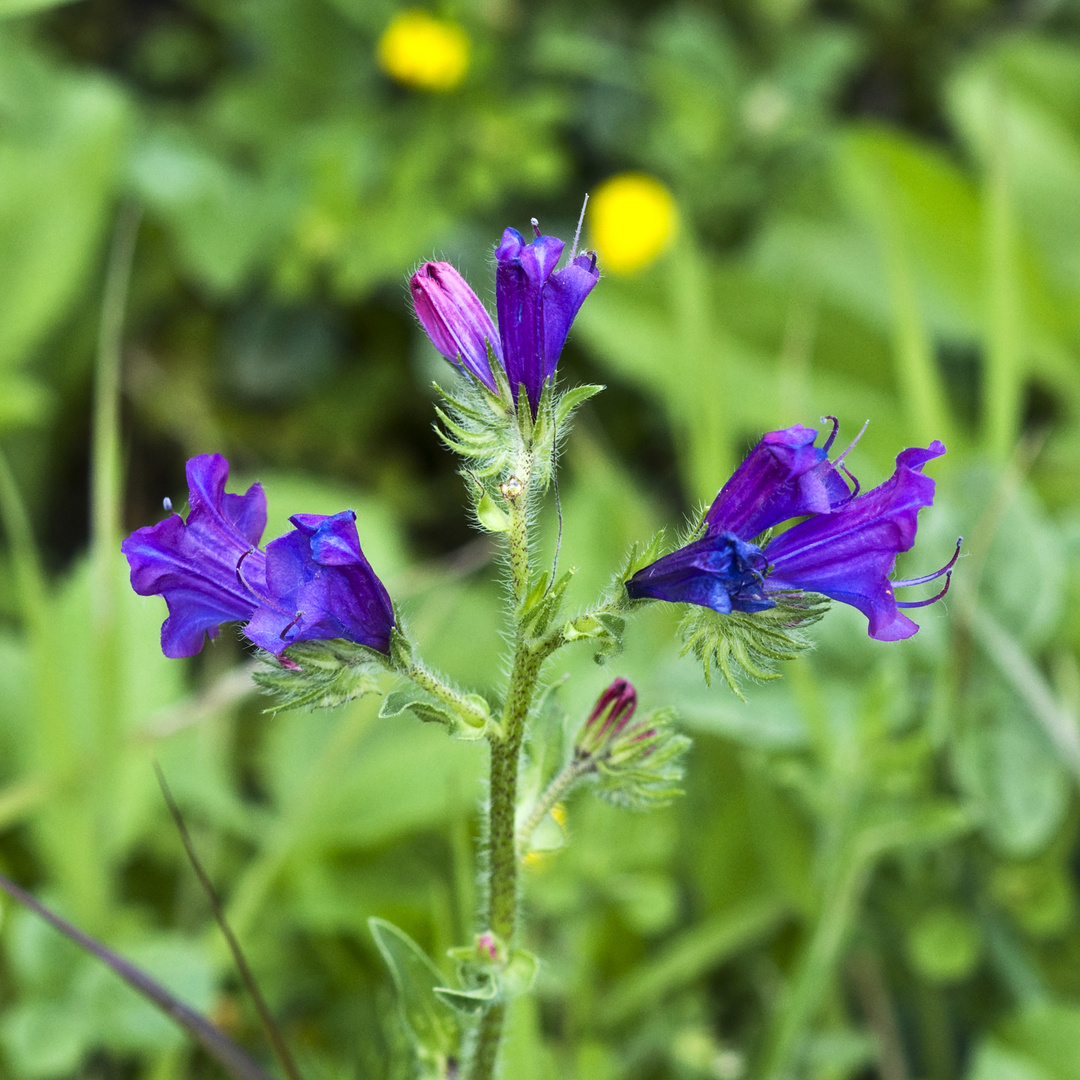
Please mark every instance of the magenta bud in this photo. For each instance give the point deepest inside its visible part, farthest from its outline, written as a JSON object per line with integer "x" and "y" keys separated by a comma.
{"x": 456, "y": 321}
{"x": 613, "y": 710}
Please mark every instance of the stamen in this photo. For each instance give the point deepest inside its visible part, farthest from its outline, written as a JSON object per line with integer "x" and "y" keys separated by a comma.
{"x": 853, "y": 442}
{"x": 593, "y": 256}
{"x": 166, "y": 504}
{"x": 299, "y": 616}
{"x": 854, "y": 479}
{"x": 932, "y": 600}
{"x": 832, "y": 435}
{"x": 937, "y": 573}
{"x": 577, "y": 231}
{"x": 536, "y": 227}
{"x": 243, "y": 584}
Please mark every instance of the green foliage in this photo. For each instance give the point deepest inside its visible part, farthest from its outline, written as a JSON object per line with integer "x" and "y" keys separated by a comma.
{"x": 884, "y": 840}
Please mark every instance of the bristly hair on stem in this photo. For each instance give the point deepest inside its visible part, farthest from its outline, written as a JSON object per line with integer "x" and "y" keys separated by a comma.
{"x": 273, "y": 1033}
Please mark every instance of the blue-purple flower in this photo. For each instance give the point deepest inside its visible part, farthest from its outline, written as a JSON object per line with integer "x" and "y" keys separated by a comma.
{"x": 536, "y": 305}
{"x": 313, "y": 583}
{"x": 845, "y": 549}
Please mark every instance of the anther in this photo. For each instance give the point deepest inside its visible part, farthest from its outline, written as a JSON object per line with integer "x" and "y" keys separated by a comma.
{"x": 166, "y": 504}
{"x": 536, "y": 227}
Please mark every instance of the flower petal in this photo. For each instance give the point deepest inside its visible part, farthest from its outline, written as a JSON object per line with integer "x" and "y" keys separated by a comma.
{"x": 848, "y": 555}
{"x": 784, "y": 476}
{"x": 324, "y": 587}
{"x": 195, "y": 565}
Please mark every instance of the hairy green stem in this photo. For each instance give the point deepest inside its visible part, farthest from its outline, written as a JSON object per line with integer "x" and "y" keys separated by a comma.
{"x": 501, "y": 869}
{"x": 427, "y": 680}
{"x": 571, "y": 772}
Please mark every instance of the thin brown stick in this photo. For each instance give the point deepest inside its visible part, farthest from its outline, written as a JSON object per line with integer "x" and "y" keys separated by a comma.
{"x": 281, "y": 1051}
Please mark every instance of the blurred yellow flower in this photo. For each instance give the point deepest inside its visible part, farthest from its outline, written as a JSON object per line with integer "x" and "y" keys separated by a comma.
{"x": 632, "y": 220}
{"x": 423, "y": 52}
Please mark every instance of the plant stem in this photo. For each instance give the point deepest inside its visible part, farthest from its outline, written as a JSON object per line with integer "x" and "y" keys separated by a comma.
{"x": 431, "y": 682}
{"x": 571, "y": 772}
{"x": 501, "y": 869}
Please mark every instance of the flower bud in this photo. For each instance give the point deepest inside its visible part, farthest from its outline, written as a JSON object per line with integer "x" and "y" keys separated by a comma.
{"x": 634, "y": 763}
{"x": 457, "y": 323}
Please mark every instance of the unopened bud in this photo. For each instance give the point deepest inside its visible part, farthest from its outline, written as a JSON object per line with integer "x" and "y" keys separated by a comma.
{"x": 636, "y": 763}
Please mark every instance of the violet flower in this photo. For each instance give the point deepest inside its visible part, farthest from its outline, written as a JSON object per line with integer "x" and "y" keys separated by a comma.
{"x": 193, "y": 564}
{"x": 322, "y": 587}
{"x": 536, "y": 304}
{"x": 846, "y": 549}
{"x": 313, "y": 583}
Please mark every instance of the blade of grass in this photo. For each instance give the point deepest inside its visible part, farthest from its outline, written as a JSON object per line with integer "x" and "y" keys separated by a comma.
{"x": 231, "y": 1057}
{"x": 281, "y": 1050}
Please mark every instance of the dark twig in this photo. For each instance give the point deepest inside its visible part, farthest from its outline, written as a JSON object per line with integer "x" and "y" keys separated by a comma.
{"x": 281, "y": 1051}
{"x": 231, "y": 1057}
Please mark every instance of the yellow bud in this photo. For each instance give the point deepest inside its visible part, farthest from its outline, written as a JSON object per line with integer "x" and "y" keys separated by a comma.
{"x": 558, "y": 812}
{"x": 632, "y": 220}
{"x": 423, "y": 52}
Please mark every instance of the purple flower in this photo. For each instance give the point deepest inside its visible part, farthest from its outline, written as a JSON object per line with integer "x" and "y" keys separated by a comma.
{"x": 194, "y": 564}
{"x": 846, "y": 549}
{"x": 536, "y": 305}
{"x": 455, "y": 320}
{"x": 322, "y": 587}
{"x": 312, "y": 583}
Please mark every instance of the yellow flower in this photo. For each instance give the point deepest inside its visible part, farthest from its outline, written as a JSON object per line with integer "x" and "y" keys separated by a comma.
{"x": 423, "y": 52}
{"x": 632, "y": 219}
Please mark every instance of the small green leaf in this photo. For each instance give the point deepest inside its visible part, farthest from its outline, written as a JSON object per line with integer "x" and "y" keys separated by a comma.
{"x": 427, "y": 1017}
{"x": 469, "y": 1002}
{"x": 419, "y": 702}
{"x": 492, "y": 516}
{"x": 520, "y": 973}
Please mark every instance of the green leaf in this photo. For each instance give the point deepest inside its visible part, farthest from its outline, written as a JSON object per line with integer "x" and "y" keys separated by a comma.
{"x": 492, "y": 516}
{"x": 426, "y": 1015}
{"x": 469, "y": 1002}
{"x": 420, "y": 703}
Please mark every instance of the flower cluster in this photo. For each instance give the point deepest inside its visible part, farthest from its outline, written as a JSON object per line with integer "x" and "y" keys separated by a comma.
{"x": 845, "y": 548}
{"x": 311, "y": 584}
{"x": 535, "y": 303}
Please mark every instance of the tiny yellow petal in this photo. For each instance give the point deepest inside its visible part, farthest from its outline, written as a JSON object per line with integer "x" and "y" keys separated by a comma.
{"x": 632, "y": 220}
{"x": 558, "y": 812}
{"x": 424, "y": 53}
{"x": 535, "y": 860}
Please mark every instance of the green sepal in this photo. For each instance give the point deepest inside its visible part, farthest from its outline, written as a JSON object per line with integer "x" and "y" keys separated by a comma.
{"x": 606, "y": 628}
{"x": 569, "y": 402}
{"x": 750, "y": 644}
{"x": 329, "y": 673}
{"x": 429, "y": 1021}
{"x": 644, "y": 770}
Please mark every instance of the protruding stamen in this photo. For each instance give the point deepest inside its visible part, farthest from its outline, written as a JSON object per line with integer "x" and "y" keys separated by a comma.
{"x": 854, "y": 479}
{"x": 536, "y": 227}
{"x": 932, "y": 600}
{"x": 853, "y": 442}
{"x": 299, "y": 616}
{"x": 832, "y": 434}
{"x": 936, "y": 574}
{"x": 577, "y": 231}
{"x": 166, "y": 504}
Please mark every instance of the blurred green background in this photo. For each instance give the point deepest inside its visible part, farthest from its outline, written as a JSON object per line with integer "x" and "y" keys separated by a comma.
{"x": 867, "y": 208}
